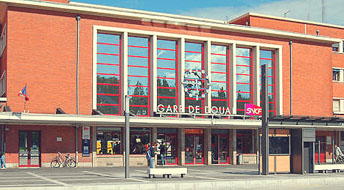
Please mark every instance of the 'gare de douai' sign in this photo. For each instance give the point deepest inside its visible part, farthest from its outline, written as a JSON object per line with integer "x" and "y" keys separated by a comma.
{"x": 250, "y": 109}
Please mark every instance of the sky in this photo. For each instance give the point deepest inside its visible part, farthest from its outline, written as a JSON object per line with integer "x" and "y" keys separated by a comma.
{"x": 228, "y": 9}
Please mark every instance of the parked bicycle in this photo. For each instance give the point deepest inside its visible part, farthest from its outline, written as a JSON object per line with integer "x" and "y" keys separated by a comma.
{"x": 58, "y": 161}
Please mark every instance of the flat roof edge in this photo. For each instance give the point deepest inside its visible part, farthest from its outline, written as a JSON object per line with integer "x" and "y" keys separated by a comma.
{"x": 168, "y": 18}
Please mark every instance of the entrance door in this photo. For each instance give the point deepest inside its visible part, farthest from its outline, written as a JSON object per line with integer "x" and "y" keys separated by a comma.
{"x": 194, "y": 149}
{"x": 219, "y": 149}
{"x": 171, "y": 154}
{"x": 29, "y": 149}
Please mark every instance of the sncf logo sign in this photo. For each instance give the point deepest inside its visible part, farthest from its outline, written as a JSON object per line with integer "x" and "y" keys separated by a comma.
{"x": 251, "y": 109}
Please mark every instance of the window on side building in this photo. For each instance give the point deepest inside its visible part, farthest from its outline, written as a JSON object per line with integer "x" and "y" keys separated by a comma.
{"x": 109, "y": 140}
{"x": 108, "y": 73}
{"x": 336, "y": 105}
{"x": 336, "y": 73}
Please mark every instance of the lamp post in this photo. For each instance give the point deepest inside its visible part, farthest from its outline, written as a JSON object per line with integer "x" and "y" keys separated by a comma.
{"x": 126, "y": 112}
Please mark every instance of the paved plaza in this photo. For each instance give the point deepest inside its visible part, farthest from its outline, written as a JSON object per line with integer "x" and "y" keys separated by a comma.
{"x": 198, "y": 177}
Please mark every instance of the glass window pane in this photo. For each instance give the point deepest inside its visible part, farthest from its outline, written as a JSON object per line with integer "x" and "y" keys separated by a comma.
{"x": 135, "y": 51}
{"x": 243, "y": 52}
{"x": 166, "y": 63}
{"x": 196, "y": 47}
{"x": 106, "y": 48}
{"x": 266, "y": 54}
{"x": 166, "y": 73}
{"x": 108, "y": 38}
{"x": 166, "y": 54}
{"x": 218, "y": 68}
{"x": 108, "y": 79}
{"x": 102, "y": 99}
{"x": 112, "y": 59}
{"x": 219, "y": 86}
{"x": 143, "y": 91}
{"x": 108, "y": 109}
{"x": 109, "y": 69}
{"x": 166, "y": 82}
{"x": 141, "y": 81}
{"x": 138, "y": 71}
{"x": 138, "y": 41}
{"x": 107, "y": 89}
{"x": 137, "y": 61}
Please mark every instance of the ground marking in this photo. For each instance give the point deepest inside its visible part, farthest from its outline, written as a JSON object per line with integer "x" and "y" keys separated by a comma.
{"x": 106, "y": 175}
{"x": 29, "y": 185}
{"x": 203, "y": 177}
{"x": 47, "y": 179}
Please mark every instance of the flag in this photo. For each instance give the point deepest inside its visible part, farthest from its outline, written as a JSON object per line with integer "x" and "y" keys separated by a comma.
{"x": 23, "y": 93}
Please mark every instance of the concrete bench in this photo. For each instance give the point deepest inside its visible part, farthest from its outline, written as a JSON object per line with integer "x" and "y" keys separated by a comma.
{"x": 324, "y": 168}
{"x": 168, "y": 171}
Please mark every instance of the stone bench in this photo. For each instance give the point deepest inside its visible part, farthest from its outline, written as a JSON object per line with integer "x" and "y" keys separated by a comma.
{"x": 167, "y": 171}
{"x": 324, "y": 168}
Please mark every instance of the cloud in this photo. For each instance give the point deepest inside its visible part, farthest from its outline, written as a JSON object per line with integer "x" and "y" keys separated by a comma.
{"x": 305, "y": 10}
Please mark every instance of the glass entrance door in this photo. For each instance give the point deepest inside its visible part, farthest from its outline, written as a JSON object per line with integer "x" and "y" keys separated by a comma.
{"x": 194, "y": 149}
{"x": 29, "y": 149}
{"x": 169, "y": 141}
{"x": 219, "y": 147}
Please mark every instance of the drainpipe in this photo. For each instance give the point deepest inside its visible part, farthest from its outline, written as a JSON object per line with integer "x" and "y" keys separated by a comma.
{"x": 77, "y": 90}
{"x": 291, "y": 76}
{"x": 77, "y": 65}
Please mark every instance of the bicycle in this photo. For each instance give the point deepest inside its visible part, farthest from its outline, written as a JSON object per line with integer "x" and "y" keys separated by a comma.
{"x": 58, "y": 161}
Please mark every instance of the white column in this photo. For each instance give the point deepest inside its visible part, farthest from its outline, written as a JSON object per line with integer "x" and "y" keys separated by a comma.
{"x": 278, "y": 82}
{"x": 124, "y": 68}
{"x": 232, "y": 78}
{"x": 153, "y": 83}
{"x": 255, "y": 75}
{"x": 181, "y": 64}
{"x": 207, "y": 64}
{"x": 94, "y": 77}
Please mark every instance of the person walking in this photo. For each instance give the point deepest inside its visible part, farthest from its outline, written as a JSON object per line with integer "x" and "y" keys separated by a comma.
{"x": 2, "y": 160}
{"x": 152, "y": 155}
{"x": 162, "y": 152}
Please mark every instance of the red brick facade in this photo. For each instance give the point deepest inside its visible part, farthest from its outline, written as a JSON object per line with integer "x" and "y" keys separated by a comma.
{"x": 41, "y": 52}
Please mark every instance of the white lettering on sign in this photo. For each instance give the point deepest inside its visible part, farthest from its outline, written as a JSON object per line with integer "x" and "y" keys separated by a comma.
{"x": 254, "y": 111}
{"x": 193, "y": 109}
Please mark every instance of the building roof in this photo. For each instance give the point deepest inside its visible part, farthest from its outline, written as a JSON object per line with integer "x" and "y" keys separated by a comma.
{"x": 147, "y": 16}
{"x": 286, "y": 19}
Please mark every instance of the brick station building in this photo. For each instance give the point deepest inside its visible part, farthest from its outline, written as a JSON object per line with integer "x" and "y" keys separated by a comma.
{"x": 79, "y": 61}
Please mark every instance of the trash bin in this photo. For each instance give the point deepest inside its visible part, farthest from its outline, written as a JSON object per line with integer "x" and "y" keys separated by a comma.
{"x": 239, "y": 159}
